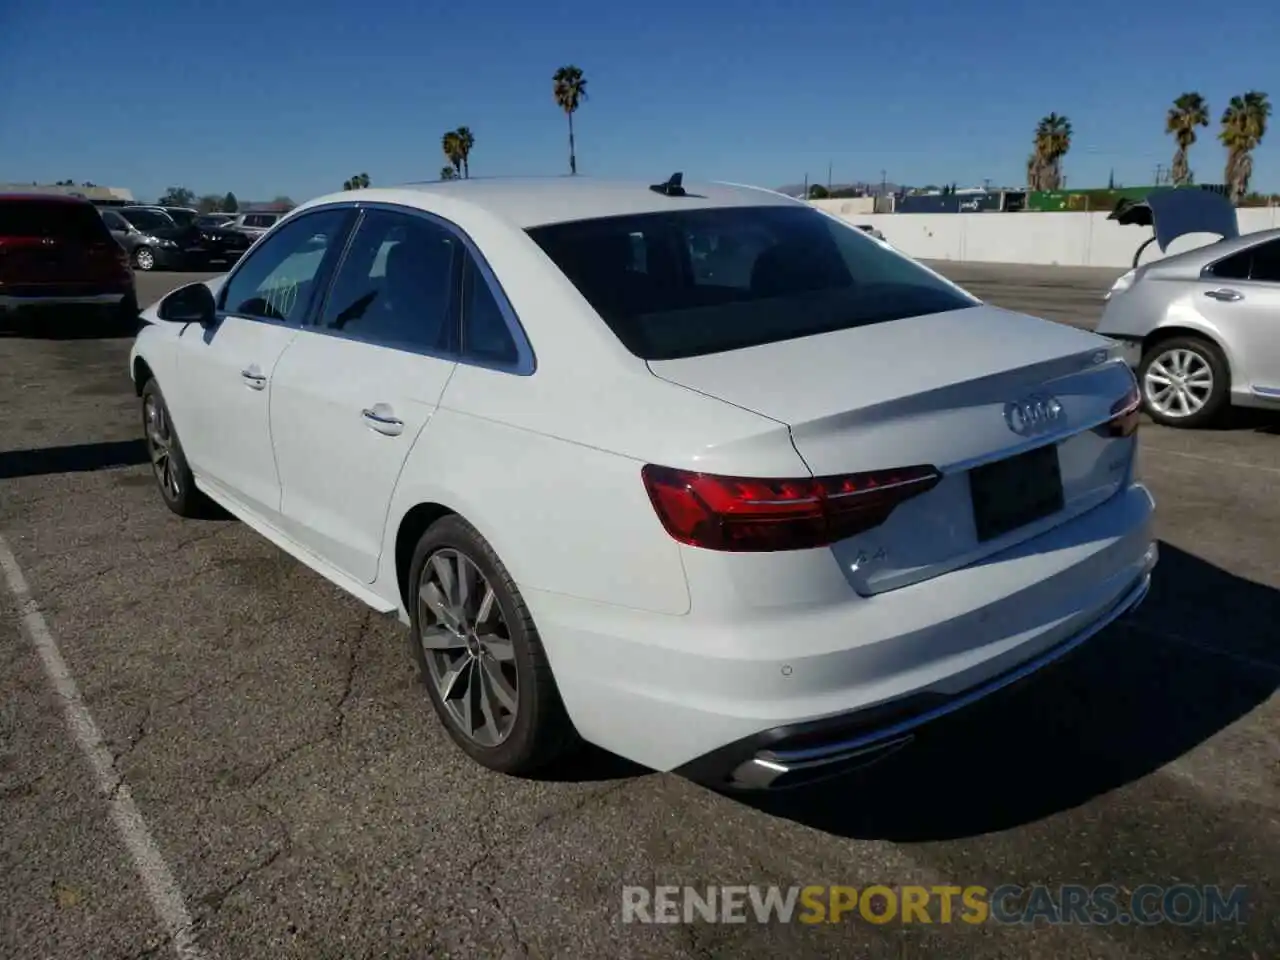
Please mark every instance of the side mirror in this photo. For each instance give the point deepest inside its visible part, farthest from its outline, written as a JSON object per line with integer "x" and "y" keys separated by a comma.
{"x": 193, "y": 303}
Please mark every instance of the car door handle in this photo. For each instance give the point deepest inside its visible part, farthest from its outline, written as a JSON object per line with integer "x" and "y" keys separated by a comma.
{"x": 382, "y": 419}
{"x": 1224, "y": 294}
{"x": 253, "y": 378}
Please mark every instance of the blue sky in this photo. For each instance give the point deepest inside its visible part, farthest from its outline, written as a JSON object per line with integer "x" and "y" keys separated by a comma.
{"x": 293, "y": 96}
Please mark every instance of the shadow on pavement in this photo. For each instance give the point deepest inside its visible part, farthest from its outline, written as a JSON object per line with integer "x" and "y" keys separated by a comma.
{"x": 77, "y": 458}
{"x": 1193, "y": 659}
{"x": 1247, "y": 418}
{"x": 67, "y": 324}
{"x": 590, "y": 764}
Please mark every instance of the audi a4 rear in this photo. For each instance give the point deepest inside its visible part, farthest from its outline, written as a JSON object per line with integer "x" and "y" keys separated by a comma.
{"x": 704, "y": 476}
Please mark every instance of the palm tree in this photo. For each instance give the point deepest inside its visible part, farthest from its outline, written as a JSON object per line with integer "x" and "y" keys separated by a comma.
{"x": 1052, "y": 141}
{"x": 466, "y": 140}
{"x": 451, "y": 143}
{"x": 448, "y": 173}
{"x": 570, "y": 89}
{"x": 1188, "y": 112}
{"x": 1244, "y": 124}
{"x": 358, "y": 182}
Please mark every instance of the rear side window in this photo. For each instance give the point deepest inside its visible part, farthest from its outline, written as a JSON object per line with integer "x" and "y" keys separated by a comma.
{"x": 1266, "y": 262}
{"x": 703, "y": 281}
{"x": 1234, "y": 267}
{"x": 52, "y": 219}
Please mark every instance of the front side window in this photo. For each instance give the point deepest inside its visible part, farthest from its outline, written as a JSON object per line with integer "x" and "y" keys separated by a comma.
{"x": 703, "y": 281}
{"x": 396, "y": 285}
{"x": 277, "y": 281}
{"x": 115, "y": 222}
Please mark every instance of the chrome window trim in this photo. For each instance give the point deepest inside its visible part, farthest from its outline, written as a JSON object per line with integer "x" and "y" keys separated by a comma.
{"x": 526, "y": 360}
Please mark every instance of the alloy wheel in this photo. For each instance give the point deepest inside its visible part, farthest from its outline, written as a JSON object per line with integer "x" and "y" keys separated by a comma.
{"x": 160, "y": 446}
{"x": 1178, "y": 383}
{"x": 144, "y": 258}
{"x": 468, "y": 647}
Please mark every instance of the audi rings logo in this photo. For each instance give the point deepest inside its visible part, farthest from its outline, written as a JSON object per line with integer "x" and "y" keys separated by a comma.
{"x": 1033, "y": 415}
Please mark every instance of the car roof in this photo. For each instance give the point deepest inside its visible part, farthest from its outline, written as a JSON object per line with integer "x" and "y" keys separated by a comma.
{"x": 1219, "y": 249}
{"x": 538, "y": 201}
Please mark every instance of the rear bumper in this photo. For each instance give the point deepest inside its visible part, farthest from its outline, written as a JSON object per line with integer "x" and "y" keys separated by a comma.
{"x": 64, "y": 298}
{"x": 800, "y": 754}
{"x": 707, "y": 692}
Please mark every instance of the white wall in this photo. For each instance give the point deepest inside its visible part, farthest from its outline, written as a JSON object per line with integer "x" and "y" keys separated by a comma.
{"x": 1063, "y": 239}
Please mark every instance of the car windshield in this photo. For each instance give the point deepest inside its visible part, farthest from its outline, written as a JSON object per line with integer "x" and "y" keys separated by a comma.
{"x": 147, "y": 219}
{"x": 703, "y": 281}
{"x": 53, "y": 219}
{"x": 182, "y": 218}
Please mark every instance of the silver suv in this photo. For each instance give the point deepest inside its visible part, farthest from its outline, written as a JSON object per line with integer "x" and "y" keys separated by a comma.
{"x": 254, "y": 224}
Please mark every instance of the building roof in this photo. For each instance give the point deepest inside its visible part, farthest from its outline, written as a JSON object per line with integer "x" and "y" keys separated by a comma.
{"x": 88, "y": 193}
{"x": 536, "y": 201}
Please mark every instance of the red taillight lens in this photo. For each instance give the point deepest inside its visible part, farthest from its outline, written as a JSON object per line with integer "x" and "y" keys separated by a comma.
{"x": 1126, "y": 413}
{"x": 743, "y": 514}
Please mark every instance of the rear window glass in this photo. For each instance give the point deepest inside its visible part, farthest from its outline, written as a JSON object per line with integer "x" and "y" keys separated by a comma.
{"x": 703, "y": 281}
{"x": 148, "y": 219}
{"x": 35, "y": 218}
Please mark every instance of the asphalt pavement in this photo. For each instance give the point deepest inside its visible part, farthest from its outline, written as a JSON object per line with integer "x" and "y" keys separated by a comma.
{"x": 293, "y": 795}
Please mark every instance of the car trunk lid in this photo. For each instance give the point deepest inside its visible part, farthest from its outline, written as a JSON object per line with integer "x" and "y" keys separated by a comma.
{"x": 955, "y": 390}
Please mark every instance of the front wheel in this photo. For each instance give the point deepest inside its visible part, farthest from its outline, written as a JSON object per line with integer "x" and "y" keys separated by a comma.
{"x": 144, "y": 258}
{"x": 168, "y": 463}
{"x": 480, "y": 655}
{"x": 1185, "y": 382}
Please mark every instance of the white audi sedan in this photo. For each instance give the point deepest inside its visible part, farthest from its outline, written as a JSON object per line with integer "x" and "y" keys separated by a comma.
{"x": 755, "y": 515}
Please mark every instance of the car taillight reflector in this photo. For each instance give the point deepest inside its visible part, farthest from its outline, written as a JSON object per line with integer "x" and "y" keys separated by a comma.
{"x": 745, "y": 514}
{"x": 1126, "y": 413}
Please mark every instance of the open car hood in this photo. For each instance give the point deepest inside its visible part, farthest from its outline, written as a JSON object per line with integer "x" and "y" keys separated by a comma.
{"x": 1174, "y": 213}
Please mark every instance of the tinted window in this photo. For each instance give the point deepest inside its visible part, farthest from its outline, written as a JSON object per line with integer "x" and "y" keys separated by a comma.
{"x": 395, "y": 286}
{"x": 707, "y": 280}
{"x": 50, "y": 218}
{"x": 259, "y": 220}
{"x": 146, "y": 220}
{"x": 1234, "y": 267}
{"x": 485, "y": 334}
{"x": 1266, "y": 262}
{"x": 277, "y": 280}
{"x": 182, "y": 218}
{"x": 114, "y": 221}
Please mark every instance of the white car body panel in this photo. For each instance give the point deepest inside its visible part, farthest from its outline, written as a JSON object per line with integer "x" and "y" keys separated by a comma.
{"x": 665, "y": 652}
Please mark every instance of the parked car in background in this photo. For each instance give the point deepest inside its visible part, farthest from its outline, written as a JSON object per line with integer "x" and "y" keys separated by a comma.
{"x": 55, "y": 251}
{"x": 1201, "y": 328}
{"x": 155, "y": 241}
{"x": 757, "y": 525}
{"x": 253, "y": 224}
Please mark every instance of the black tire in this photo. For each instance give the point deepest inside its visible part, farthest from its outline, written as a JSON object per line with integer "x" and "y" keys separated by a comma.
{"x": 144, "y": 258}
{"x": 180, "y": 495}
{"x": 541, "y": 731}
{"x": 1219, "y": 396}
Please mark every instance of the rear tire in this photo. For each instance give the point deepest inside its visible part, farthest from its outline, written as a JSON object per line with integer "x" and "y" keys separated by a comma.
{"x": 1185, "y": 382}
{"x": 168, "y": 463}
{"x": 483, "y": 654}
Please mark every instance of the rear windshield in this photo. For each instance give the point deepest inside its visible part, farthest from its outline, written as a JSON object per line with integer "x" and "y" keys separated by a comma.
{"x": 40, "y": 218}
{"x": 703, "y": 281}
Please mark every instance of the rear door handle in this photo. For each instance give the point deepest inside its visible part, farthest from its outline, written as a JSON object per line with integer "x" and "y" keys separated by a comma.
{"x": 253, "y": 377}
{"x": 1224, "y": 294}
{"x": 382, "y": 418}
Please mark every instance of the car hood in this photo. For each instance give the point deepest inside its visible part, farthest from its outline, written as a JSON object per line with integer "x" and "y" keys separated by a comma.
{"x": 1175, "y": 213}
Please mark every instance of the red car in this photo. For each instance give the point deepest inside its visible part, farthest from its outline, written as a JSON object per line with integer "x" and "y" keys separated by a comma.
{"x": 56, "y": 251}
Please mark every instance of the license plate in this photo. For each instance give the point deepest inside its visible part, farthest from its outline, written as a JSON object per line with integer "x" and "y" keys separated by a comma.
{"x": 1014, "y": 492}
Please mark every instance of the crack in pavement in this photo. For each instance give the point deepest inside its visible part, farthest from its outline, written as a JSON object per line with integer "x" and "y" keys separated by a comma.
{"x": 337, "y": 722}
{"x": 215, "y": 900}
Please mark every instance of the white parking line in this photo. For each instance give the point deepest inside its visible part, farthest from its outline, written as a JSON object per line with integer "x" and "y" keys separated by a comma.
{"x": 162, "y": 889}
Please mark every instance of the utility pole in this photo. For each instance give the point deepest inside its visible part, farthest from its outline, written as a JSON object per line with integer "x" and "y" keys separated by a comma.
{"x": 828, "y": 178}
{"x": 884, "y": 184}
{"x": 806, "y": 186}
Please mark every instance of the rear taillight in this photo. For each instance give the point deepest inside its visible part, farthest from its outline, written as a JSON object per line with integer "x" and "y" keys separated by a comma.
{"x": 1126, "y": 413}
{"x": 743, "y": 514}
